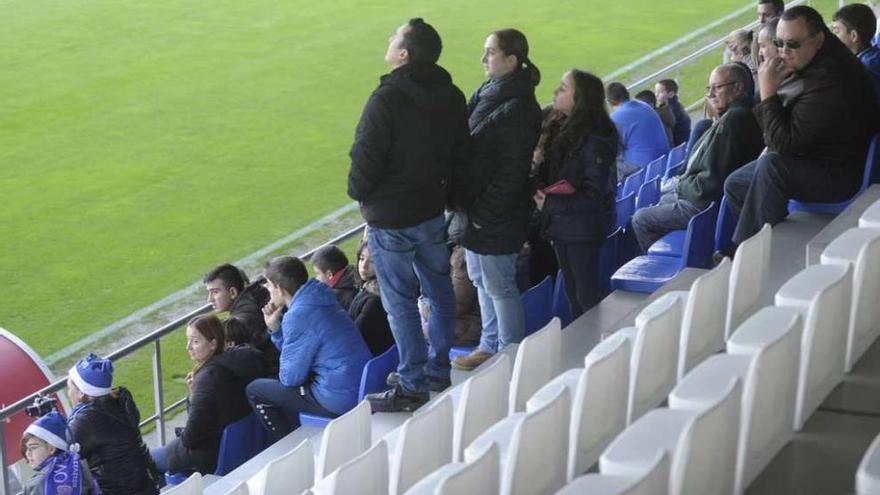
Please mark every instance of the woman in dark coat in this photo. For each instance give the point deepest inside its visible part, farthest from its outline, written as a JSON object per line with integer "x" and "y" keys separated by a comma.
{"x": 580, "y": 144}
{"x": 505, "y": 122}
{"x": 216, "y": 397}
{"x": 366, "y": 308}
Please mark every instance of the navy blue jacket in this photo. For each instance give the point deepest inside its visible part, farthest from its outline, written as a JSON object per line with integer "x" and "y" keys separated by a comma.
{"x": 682, "y": 130}
{"x": 321, "y": 348}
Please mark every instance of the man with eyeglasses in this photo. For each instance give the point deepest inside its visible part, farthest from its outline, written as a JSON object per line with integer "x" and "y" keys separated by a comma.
{"x": 733, "y": 140}
{"x": 817, "y": 112}
{"x": 854, "y": 25}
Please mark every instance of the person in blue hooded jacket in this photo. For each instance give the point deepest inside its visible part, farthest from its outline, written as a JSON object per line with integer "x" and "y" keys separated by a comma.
{"x": 322, "y": 351}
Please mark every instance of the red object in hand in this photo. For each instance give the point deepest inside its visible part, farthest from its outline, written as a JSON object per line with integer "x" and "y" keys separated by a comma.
{"x": 562, "y": 187}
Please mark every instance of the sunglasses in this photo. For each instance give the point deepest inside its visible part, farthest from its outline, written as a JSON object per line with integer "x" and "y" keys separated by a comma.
{"x": 790, "y": 44}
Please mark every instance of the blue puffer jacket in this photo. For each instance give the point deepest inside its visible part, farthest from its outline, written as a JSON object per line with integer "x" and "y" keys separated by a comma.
{"x": 321, "y": 348}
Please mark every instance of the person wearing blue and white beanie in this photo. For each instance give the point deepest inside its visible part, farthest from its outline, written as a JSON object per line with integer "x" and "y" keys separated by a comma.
{"x": 44, "y": 446}
{"x": 105, "y": 424}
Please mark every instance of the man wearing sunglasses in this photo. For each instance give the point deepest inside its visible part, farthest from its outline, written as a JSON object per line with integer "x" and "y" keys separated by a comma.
{"x": 817, "y": 113}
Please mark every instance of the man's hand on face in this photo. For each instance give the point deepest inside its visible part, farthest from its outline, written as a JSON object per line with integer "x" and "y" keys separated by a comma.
{"x": 771, "y": 73}
{"x": 272, "y": 316}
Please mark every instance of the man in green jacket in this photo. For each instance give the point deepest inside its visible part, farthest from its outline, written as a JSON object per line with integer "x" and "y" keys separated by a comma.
{"x": 733, "y": 140}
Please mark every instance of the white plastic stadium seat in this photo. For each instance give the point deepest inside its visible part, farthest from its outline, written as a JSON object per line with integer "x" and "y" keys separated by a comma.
{"x": 482, "y": 403}
{"x": 654, "y": 482}
{"x": 868, "y": 474}
{"x": 702, "y": 445}
{"x": 747, "y": 278}
{"x": 479, "y": 476}
{"x": 870, "y": 219}
{"x": 533, "y": 447}
{"x": 366, "y": 474}
{"x": 344, "y": 438}
{"x": 654, "y": 360}
{"x": 538, "y": 360}
{"x": 767, "y": 365}
{"x": 423, "y": 445}
{"x": 822, "y": 294}
{"x": 598, "y": 412}
{"x": 240, "y": 489}
{"x": 191, "y": 486}
{"x": 703, "y": 319}
{"x": 861, "y": 248}
{"x": 293, "y": 472}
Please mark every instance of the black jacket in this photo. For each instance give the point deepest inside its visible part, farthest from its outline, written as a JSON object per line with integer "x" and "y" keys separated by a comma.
{"x": 368, "y": 314}
{"x": 346, "y": 286}
{"x": 589, "y": 213}
{"x": 411, "y": 138}
{"x": 505, "y": 123}
{"x": 248, "y": 306}
{"x": 826, "y": 112}
{"x": 106, "y": 429}
{"x": 682, "y": 130}
{"x": 217, "y": 399}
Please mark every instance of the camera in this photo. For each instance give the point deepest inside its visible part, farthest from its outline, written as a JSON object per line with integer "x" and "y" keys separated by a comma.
{"x": 42, "y": 405}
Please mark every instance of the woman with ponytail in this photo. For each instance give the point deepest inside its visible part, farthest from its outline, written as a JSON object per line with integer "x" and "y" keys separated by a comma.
{"x": 579, "y": 148}
{"x": 505, "y": 122}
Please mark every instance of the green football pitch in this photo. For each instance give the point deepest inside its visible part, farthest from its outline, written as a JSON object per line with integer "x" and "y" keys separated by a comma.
{"x": 142, "y": 143}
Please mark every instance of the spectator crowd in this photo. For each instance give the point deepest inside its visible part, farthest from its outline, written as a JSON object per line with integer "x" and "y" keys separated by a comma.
{"x": 468, "y": 202}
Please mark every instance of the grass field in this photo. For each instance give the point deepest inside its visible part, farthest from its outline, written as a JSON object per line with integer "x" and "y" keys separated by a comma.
{"x": 141, "y": 143}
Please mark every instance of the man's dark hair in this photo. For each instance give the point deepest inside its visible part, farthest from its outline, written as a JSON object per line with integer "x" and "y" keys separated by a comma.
{"x": 329, "y": 258}
{"x": 778, "y": 5}
{"x": 812, "y": 17}
{"x": 616, "y": 93}
{"x": 669, "y": 85}
{"x": 230, "y": 275}
{"x": 237, "y": 331}
{"x": 647, "y": 96}
{"x": 287, "y": 272}
{"x": 422, "y": 42}
{"x": 858, "y": 17}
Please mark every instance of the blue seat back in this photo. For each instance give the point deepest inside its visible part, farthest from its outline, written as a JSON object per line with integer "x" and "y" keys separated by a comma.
{"x": 676, "y": 155}
{"x": 376, "y": 371}
{"x": 655, "y": 168}
{"x": 632, "y": 183}
{"x": 538, "y": 303}
{"x": 608, "y": 261}
{"x": 626, "y": 206}
{"x": 560, "y": 300}
{"x": 724, "y": 227}
{"x": 699, "y": 241}
{"x": 872, "y": 168}
{"x": 649, "y": 194}
{"x": 241, "y": 440}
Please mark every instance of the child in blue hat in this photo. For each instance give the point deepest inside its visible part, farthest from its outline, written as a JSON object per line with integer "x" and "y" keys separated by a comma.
{"x": 57, "y": 471}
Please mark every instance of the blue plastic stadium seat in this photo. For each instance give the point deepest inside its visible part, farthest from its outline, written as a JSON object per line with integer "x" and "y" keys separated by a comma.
{"x": 676, "y": 161}
{"x": 608, "y": 261}
{"x": 632, "y": 183}
{"x": 655, "y": 169}
{"x": 627, "y": 245}
{"x": 373, "y": 379}
{"x": 647, "y": 273}
{"x": 537, "y": 303}
{"x": 671, "y": 244}
{"x": 560, "y": 305}
{"x": 458, "y": 351}
{"x": 172, "y": 479}
{"x": 241, "y": 440}
{"x": 649, "y": 194}
{"x": 724, "y": 228}
{"x": 626, "y": 206}
{"x": 835, "y": 208}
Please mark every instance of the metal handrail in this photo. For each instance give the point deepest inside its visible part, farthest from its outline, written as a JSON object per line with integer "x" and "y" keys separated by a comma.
{"x": 154, "y": 338}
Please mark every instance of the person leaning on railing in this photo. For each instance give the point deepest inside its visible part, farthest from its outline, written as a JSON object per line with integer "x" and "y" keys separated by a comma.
{"x": 104, "y": 423}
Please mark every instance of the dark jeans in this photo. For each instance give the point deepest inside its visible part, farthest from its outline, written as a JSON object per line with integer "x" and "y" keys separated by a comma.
{"x": 758, "y": 193}
{"x": 278, "y": 406}
{"x": 579, "y": 262}
{"x": 653, "y": 222}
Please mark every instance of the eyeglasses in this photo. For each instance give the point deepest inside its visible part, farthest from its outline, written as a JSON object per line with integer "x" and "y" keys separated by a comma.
{"x": 790, "y": 44}
{"x": 713, "y": 88}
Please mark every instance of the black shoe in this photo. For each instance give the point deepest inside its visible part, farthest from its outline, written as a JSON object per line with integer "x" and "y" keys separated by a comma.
{"x": 435, "y": 384}
{"x": 397, "y": 399}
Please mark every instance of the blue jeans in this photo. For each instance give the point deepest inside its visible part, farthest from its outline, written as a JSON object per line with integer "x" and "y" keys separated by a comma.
{"x": 409, "y": 262}
{"x": 278, "y": 406}
{"x": 501, "y": 307}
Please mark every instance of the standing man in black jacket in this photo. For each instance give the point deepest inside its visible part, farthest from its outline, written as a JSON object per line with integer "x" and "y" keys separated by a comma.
{"x": 411, "y": 138}
{"x": 817, "y": 112}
